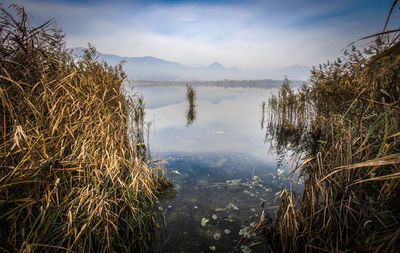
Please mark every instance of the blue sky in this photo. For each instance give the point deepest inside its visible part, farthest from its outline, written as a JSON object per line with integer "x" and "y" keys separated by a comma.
{"x": 251, "y": 35}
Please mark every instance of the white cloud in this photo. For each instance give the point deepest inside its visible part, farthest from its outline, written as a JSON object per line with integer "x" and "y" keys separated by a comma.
{"x": 254, "y": 37}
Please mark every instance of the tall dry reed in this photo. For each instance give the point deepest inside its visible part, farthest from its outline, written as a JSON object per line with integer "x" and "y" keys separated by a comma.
{"x": 70, "y": 179}
{"x": 346, "y": 126}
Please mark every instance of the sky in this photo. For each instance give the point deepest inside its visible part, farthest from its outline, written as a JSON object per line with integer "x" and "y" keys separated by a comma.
{"x": 251, "y": 35}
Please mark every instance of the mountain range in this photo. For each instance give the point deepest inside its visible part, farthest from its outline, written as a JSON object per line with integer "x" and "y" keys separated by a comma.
{"x": 156, "y": 69}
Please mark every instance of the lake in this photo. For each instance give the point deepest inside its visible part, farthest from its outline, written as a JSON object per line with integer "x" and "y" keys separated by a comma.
{"x": 224, "y": 172}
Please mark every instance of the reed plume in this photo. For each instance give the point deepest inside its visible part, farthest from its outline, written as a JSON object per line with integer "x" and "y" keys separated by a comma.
{"x": 70, "y": 177}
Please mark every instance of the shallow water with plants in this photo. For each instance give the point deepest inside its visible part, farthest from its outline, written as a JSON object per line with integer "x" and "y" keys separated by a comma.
{"x": 224, "y": 172}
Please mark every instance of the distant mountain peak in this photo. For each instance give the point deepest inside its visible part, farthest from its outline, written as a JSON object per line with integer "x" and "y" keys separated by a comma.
{"x": 156, "y": 69}
{"x": 216, "y": 65}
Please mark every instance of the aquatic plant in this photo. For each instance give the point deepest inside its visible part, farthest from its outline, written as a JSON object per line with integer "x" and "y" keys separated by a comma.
{"x": 350, "y": 140}
{"x": 191, "y": 112}
{"x": 263, "y": 104}
{"x": 289, "y": 113}
{"x": 70, "y": 177}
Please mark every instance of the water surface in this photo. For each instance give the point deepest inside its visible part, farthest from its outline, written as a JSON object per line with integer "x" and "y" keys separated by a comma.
{"x": 223, "y": 171}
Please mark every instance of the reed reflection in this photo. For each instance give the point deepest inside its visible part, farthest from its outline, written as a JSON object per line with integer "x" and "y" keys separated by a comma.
{"x": 191, "y": 112}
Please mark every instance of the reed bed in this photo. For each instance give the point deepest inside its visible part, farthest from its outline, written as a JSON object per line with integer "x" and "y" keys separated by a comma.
{"x": 344, "y": 128}
{"x": 70, "y": 177}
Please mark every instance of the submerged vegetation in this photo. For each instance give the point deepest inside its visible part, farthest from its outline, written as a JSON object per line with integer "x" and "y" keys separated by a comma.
{"x": 344, "y": 128}
{"x": 71, "y": 178}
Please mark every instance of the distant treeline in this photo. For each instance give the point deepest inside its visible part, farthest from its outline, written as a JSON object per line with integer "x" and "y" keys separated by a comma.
{"x": 264, "y": 83}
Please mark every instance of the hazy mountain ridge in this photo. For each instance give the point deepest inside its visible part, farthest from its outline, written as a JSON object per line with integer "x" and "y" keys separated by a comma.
{"x": 156, "y": 69}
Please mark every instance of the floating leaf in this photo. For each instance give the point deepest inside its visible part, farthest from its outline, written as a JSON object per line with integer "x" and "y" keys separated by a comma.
{"x": 214, "y": 216}
{"x": 245, "y": 249}
{"x": 204, "y": 222}
{"x": 176, "y": 172}
{"x": 212, "y": 248}
{"x": 217, "y": 236}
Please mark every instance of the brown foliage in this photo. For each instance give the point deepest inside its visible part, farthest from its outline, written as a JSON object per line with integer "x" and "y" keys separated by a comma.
{"x": 351, "y": 175}
{"x": 70, "y": 178}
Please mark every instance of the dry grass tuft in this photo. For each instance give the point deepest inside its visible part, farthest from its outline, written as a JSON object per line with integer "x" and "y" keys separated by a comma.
{"x": 70, "y": 177}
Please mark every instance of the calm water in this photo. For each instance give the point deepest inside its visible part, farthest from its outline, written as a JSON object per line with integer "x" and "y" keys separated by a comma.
{"x": 223, "y": 172}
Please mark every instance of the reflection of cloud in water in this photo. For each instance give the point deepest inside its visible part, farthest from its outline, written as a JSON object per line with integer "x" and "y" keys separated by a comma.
{"x": 231, "y": 125}
{"x": 221, "y": 169}
{"x": 159, "y": 96}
